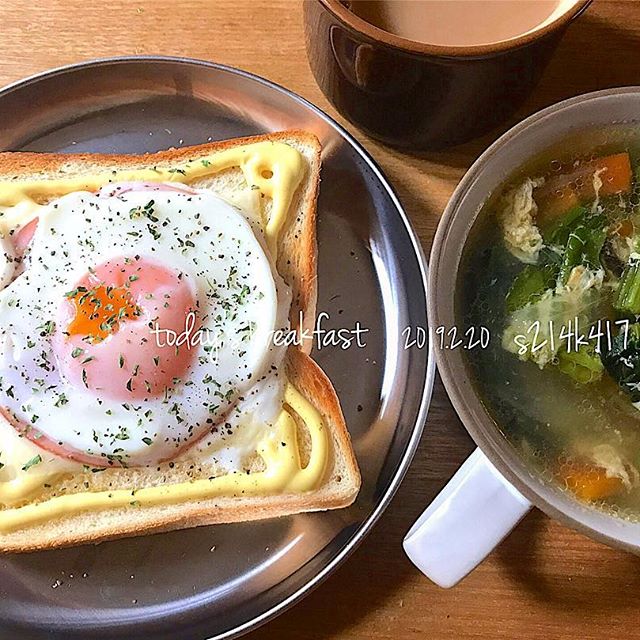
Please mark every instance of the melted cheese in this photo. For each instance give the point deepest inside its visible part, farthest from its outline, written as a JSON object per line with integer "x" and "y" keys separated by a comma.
{"x": 275, "y": 168}
{"x": 283, "y": 473}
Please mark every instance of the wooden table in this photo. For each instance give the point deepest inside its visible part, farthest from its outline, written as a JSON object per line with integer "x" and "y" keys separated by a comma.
{"x": 545, "y": 581}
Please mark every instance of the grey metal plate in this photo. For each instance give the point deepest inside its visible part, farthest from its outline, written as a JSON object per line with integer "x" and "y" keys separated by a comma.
{"x": 221, "y": 581}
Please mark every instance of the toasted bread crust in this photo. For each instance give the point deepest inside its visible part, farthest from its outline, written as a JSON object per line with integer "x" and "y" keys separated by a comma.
{"x": 297, "y": 263}
{"x": 20, "y": 166}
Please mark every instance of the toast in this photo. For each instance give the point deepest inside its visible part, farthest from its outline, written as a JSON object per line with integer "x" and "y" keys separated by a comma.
{"x": 296, "y": 264}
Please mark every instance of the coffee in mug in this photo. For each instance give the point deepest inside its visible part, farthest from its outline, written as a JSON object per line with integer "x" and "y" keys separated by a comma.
{"x": 460, "y": 23}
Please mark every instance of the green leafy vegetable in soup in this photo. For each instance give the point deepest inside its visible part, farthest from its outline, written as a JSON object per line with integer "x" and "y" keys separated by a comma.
{"x": 553, "y": 270}
{"x": 622, "y": 361}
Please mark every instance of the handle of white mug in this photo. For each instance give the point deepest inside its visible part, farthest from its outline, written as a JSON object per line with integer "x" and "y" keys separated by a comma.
{"x": 465, "y": 522}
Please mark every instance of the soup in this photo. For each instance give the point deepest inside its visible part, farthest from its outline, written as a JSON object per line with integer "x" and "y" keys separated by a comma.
{"x": 552, "y": 271}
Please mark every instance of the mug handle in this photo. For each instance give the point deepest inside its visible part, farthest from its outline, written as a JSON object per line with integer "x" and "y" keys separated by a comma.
{"x": 466, "y": 521}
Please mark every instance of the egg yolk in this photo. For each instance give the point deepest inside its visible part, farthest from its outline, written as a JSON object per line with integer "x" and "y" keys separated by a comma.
{"x": 104, "y": 339}
{"x": 100, "y": 310}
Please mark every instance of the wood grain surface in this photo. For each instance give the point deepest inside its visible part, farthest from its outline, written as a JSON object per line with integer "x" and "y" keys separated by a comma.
{"x": 544, "y": 581}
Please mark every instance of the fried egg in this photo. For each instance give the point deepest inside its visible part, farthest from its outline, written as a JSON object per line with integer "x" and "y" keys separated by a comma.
{"x": 140, "y": 324}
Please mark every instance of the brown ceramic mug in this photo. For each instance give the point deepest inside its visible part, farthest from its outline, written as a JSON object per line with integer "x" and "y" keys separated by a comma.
{"x": 420, "y": 96}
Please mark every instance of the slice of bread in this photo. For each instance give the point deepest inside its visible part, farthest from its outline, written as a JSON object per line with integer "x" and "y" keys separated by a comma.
{"x": 296, "y": 263}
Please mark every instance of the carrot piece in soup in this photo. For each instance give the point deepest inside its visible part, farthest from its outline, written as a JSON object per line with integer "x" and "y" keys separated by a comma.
{"x": 591, "y": 483}
{"x": 616, "y": 174}
{"x": 554, "y": 201}
{"x": 563, "y": 192}
{"x": 624, "y": 229}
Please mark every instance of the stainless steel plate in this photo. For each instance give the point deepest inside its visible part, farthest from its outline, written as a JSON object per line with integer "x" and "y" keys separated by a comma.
{"x": 221, "y": 581}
